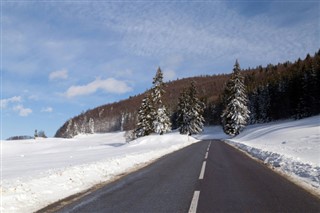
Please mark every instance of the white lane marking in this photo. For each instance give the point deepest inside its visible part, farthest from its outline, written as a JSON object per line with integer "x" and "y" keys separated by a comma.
{"x": 209, "y": 145}
{"x": 194, "y": 202}
{"x": 206, "y": 157}
{"x": 203, "y": 168}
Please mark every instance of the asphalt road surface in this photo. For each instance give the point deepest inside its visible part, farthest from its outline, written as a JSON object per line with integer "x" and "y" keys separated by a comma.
{"x": 208, "y": 176}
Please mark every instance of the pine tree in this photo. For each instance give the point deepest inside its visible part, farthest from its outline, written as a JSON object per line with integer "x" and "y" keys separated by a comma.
{"x": 152, "y": 115}
{"x": 183, "y": 118}
{"x": 157, "y": 91}
{"x": 190, "y": 112}
{"x": 236, "y": 113}
{"x": 161, "y": 121}
{"x": 145, "y": 118}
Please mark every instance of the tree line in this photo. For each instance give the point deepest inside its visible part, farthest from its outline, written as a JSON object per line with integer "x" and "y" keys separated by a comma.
{"x": 281, "y": 91}
{"x": 294, "y": 95}
{"x": 188, "y": 117}
{"x": 290, "y": 93}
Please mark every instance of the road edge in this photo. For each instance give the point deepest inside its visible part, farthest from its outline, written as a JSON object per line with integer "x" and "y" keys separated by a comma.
{"x": 57, "y": 205}
{"x": 311, "y": 190}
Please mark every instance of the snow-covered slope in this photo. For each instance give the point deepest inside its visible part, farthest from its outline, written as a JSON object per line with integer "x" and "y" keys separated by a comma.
{"x": 298, "y": 140}
{"x": 38, "y": 172}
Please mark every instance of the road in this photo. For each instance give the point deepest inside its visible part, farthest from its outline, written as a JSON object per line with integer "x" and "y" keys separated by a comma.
{"x": 209, "y": 176}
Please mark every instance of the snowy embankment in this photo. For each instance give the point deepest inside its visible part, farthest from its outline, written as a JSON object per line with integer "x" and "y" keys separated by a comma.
{"x": 291, "y": 147}
{"x": 38, "y": 172}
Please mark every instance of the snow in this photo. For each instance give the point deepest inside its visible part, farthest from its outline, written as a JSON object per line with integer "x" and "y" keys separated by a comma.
{"x": 291, "y": 147}
{"x": 38, "y": 172}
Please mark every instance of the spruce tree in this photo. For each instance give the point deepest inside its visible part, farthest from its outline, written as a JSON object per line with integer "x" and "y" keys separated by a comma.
{"x": 197, "y": 109}
{"x": 190, "y": 112}
{"x": 161, "y": 120}
{"x": 183, "y": 118}
{"x": 157, "y": 90}
{"x": 152, "y": 115}
{"x": 162, "y": 123}
{"x": 236, "y": 113}
{"x": 145, "y": 118}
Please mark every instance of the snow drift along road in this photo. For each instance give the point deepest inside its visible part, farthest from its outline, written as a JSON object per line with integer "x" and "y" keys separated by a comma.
{"x": 39, "y": 172}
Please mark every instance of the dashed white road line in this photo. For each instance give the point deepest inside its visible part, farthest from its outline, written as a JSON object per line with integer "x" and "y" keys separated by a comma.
{"x": 206, "y": 156}
{"x": 203, "y": 168}
{"x": 208, "y": 147}
{"x": 196, "y": 194}
{"x": 194, "y": 202}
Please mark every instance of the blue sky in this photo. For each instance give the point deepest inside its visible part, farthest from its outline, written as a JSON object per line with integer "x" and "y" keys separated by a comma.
{"x": 60, "y": 58}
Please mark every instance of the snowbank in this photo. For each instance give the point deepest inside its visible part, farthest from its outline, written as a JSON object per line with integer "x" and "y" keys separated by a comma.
{"x": 39, "y": 172}
{"x": 291, "y": 147}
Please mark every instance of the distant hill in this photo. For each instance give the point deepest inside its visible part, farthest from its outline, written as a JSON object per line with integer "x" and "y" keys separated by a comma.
{"x": 22, "y": 137}
{"x": 122, "y": 115}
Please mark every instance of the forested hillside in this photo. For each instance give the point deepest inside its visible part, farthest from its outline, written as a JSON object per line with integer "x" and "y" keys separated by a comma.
{"x": 285, "y": 90}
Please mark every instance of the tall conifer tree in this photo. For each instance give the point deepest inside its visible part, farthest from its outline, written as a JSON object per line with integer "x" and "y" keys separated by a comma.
{"x": 161, "y": 120}
{"x": 152, "y": 115}
{"x": 190, "y": 112}
{"x": 145, "y": 118}
{"x": 236, "y": 113}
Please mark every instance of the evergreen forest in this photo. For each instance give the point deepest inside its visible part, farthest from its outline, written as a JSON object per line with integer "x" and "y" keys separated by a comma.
{"x": 277, "y": 91}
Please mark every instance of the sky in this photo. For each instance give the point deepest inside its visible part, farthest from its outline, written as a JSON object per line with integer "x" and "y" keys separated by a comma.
{"x": 61, "y": 58}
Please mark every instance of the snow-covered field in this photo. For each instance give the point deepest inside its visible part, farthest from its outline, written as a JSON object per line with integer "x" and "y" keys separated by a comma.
{"x": 38, "y": 172}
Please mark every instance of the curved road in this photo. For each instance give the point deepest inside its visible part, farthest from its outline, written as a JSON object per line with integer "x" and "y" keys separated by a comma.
{"x": 209, "y": 176}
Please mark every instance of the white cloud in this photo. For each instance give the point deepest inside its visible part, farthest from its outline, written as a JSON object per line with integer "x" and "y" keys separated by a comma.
{"x": 109, "y": 85}
{"x": 22, "y": 111}
{"x": 47, "y": 109}
{"x": 59, "y": 74}
{"x": 4, "y": 102}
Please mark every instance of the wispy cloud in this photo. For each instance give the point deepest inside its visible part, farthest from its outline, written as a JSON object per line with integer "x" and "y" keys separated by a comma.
{"x": 109, "y": 85}
{"x": 47, "y": 109}
{"x": 211, "y": 30}
{"x": 59, "y": 74}
{"x": 24, "y": 112}
{"x": 4, "y": 102}
{"x": 220, "y": 36}
{"x": 9, "y": 103}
